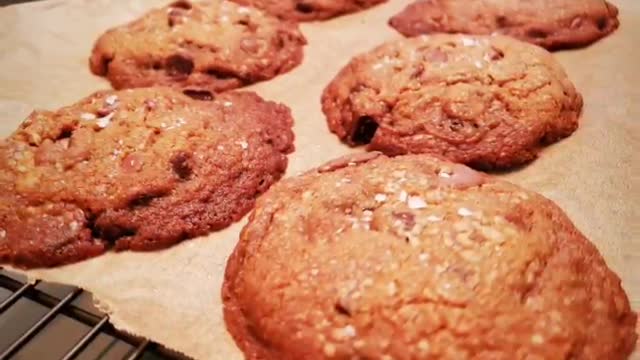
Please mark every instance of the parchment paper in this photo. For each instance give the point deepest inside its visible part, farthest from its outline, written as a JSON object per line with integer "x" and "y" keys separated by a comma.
{"x": 173, "y": 296}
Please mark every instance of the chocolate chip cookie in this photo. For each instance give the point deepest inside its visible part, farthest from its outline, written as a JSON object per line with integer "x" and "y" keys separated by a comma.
{"x": 553, "y": 24}
{"x": 135, "y": 169}
{"x": 417, "y": 258}
{"x": 486, "y": 101}
{"x": 198, "y": 47}
{"x": 310, "y": 10}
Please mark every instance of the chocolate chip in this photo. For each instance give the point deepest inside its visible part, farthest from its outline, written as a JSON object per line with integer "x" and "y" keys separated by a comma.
{"x": 132, "y": 163}
{"x": 437, "y": 56}
{"x": 106, "y": 110}
{"x": 304, "y": 8}
{"x": 537, "y": 33}
{"x": 202, "y": 95}
{"x": 64, "y": 134}
{"x": 220, "y": 74}
{"x": 502, "y": 21}
{"x": 104, "y": 65}
{"x": 252, "y": 45}
{"x": 176, "y": 17}
{"x": 141, "y": 200}
{"x": 407, "y": 218}
{"x": 364, "y": 130}
{"x": 248, "y": 24}
{"x": 182, "y": 4}
{"x": 417, "y": 71}
{"x": 112, "y": 232}
{"x": 180, "y": 164}
{"x": 150, "y": 104}
{"x": 495, "y": 54}
{"x": 576, "y": 23}
{"x": 179, "y": 65}
{"x": 602, "y": 23}
{"x": 342, "y": 307}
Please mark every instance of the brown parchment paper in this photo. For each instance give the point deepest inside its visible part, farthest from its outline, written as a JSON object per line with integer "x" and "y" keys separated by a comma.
{"x": 173, "y": 296}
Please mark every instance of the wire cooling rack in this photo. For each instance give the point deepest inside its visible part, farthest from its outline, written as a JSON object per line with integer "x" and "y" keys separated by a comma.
{"x": 48, "y": 321}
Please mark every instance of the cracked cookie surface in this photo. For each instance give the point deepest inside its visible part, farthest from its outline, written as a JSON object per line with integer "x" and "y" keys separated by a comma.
{"x": 553, "y": 24}
{"x": 486, "y": 101}
{"x": 310, "y": 10}
{"x": 416, "y": 258}
{"x": 135, "y": 169}
{"x": 198, "y": 46}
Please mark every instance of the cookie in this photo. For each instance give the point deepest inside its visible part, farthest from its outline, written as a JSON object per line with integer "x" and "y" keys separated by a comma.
{"x": 417, "y": 258}
{"x": 137, "y": 169}
{"x": 486, "y": 101}
{"x": 200, "y": 47}
{"x": 553, "y": 24}
{"x": 310, "y": 10}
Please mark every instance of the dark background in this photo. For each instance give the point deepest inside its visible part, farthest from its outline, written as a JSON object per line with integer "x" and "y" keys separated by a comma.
{"x": 10, "y": 2}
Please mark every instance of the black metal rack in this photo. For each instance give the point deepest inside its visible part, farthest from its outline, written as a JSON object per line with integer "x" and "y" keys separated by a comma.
{"x": 89, "y": 336}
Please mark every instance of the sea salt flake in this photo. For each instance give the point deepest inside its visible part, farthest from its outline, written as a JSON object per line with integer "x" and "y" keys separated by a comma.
{"x": 243, "y": 10}
{"x": 243, "y": 144}
{"x": 103, "y": 122}
{"x": 227, "y": 103}
{"x": 403, "y": 196}
{"x": 469, "y": 41}
{"x": 537, "y": 339}
{"x": 87, "y": 116}
{"x": 349, "y": 331}
{"x": 444, "y": 174}
{"x": 74, "y": 225}
{"x": 380, "y": 197}
{"x": 423, "y": 345}
{"x": 416, "y": 202}
{"x": 329, "y": 349}
{"x": 392, "y": 288}
{"x": 220, "y": 147}
{"x": 434, "y": 218}
{"x": 464, "y": 212}
{"x": 399, "y": 173}
{"x": 111, "y": 99}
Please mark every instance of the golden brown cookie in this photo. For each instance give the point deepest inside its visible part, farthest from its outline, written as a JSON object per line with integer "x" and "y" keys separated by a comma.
{"x": 135, "y": 169}
{"x": 486, "y": 101}
{"x": 553, "y": 24}
{"x": 200, "y": 47}
{"x": 417, "y": 258}
{"x": 310, "y": 10}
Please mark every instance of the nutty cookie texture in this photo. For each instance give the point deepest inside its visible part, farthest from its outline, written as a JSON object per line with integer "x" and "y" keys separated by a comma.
{"x": 310, "y": 10}
{"x": 486, "y": 101}
{"x": 553, "y": 24}
{"x": 417, "y": 258}
{"x": 198, "y": 47}
{"x": 135, "y": 169}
